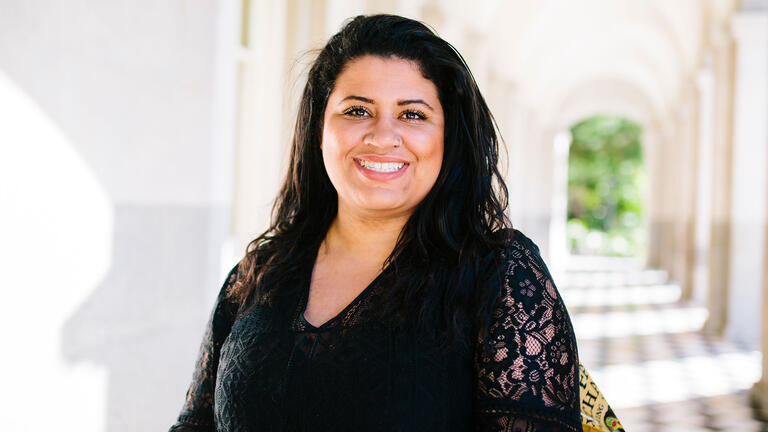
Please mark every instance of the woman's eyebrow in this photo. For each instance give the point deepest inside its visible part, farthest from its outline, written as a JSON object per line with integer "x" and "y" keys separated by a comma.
{"x": 399, "y": 103}
{"x": 359, "y": 98}
{"x": 414, "y": 101}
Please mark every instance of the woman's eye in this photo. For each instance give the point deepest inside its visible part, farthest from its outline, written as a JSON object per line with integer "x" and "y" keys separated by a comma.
{"x": 356, "y": 112}
{"x": 414, "y": 115}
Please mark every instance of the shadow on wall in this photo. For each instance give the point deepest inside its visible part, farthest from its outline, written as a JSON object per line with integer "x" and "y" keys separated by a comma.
{"x": 107, "y": 303}
{"x": 139, "y": 322}
{"x": 56, "y": 224}
{"x": 104, "y": 106}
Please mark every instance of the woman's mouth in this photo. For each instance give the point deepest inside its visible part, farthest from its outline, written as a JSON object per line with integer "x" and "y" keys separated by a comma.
{"x": 382, "y": 167}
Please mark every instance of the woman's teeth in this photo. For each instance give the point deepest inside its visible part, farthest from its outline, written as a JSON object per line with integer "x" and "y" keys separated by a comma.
{"x": 381, "y": 166}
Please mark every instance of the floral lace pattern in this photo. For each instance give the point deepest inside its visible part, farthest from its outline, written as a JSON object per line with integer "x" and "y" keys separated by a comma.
{"x": 527, "y": 365}
{"x": 257, "y": 372}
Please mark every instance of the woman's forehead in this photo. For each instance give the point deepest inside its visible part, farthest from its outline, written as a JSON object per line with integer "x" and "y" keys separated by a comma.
{"x": 388, "y": 77}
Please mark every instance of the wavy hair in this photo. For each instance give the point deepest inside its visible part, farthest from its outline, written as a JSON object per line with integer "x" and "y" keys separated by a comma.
{"x": 446, "y": 262}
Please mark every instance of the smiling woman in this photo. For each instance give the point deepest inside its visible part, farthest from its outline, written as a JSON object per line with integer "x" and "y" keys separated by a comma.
{"x": 382, "y": 139}
{"x": 390, "y": 292}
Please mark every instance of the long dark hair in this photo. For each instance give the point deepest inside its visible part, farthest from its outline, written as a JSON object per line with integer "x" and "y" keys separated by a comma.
{"x": 446, "y": 262}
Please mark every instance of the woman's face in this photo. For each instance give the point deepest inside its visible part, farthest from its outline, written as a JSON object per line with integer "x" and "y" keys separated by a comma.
{"x": 382, "y": 138}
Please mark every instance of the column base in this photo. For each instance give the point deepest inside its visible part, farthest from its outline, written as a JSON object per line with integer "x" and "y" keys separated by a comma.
{"x": 713, "y": 327}
{"x": 758, "y": 397}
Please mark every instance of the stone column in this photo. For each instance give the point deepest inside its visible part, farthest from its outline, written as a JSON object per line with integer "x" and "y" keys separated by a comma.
{"x": 534, "y": 164}
{"x": 664, "y": 196}
{"x": 759, "y": 392}
{"x": 512, "y": 124}
{"x": 653, "y": 148}
{"x": 672, "y": 186}
{"x": 558, "y": 245}
{"x": 750, "y": 30}
{"x": 685, "y": 227}
{"x": 529, "y": 144}
{"x": 260, "y": 147}
{"x": 753, "y": 44}
{"x": 722, "y": 161}
{"x": 501, "y": 101}
{"x": 705, "y": 90}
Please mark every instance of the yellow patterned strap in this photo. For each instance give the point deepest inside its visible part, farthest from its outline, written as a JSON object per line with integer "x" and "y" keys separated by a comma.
{"x": 588, "y": 428}
{"x": 596, "y": 414}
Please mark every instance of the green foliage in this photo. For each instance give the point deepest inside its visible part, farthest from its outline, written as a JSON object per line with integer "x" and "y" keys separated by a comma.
{"x": 605, "y": 187}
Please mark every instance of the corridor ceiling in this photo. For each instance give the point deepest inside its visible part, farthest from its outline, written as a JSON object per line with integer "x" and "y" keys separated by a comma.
{"x": 569, "y": 59}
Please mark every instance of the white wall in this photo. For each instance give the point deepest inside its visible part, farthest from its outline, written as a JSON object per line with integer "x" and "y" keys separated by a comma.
{"x": 118, "y": 218}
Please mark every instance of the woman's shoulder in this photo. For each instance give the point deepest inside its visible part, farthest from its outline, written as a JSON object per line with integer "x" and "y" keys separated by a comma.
{"x": 526, "y": 278}
{"x": 514, "y": 237}
{"x": 527, "y": 360}
{"x": 519, "y": 251}
{"x": 230, "y": 281}
{"x": 517, "y": 240}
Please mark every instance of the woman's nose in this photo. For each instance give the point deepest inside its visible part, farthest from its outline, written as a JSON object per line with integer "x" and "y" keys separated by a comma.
{"x": 383, "y": 134}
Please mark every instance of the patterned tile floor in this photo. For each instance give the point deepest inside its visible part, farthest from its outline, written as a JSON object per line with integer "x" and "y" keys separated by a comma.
{"x": 647, "y": 354}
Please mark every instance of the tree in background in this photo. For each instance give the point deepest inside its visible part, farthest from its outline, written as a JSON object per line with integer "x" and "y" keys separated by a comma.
{"x": 606, "y": 182}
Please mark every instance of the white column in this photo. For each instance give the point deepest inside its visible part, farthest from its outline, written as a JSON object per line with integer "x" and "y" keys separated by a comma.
{"x": 260, "y": 144}
{"x": 501, "y": 101}
{"x": 539, "y": 185}
{"x": 512, "y": 127}
{"x": 524, "y": 178}
{"x": 530, "y": 173}
{"x": 654, "y": 151}
{"x": 759, "y": 394}
{"x": 685, "y": 226}
{"x": 751, "y": 136}
{"x": 705, "y": 86}
{"x": 558, "y": 247}
{"x": 722, "y": 157}
{"x": 749, "y": 176}
{"x": 224, "y": 114}
{"x": 669, "y": 191}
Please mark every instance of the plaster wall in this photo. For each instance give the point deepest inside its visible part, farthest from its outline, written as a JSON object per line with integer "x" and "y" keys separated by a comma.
{"x": 110, "y": 291}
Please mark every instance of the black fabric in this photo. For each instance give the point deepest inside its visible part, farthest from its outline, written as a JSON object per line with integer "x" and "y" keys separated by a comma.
{"x": 270, "y": 370}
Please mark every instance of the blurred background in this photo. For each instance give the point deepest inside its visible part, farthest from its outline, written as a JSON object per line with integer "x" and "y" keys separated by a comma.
{"x": 142, "y": 142}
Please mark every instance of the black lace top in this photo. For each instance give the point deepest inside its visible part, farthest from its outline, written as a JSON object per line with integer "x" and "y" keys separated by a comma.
{"x": 272, "y": 371}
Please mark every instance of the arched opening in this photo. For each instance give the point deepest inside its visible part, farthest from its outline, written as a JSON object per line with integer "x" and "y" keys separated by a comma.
{"x": 606, "y": 186}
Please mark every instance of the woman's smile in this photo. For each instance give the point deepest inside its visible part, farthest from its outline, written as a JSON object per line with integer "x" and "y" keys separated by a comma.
{"x": 378, "y": 168}
{"x": 382, "y": 167}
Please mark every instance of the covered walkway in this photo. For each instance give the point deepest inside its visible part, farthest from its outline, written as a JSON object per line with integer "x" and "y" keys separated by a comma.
{"x": 142, "y": 143}
{"x": 645, "y": 347}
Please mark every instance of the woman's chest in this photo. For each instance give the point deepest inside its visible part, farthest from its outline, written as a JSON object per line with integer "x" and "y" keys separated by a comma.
{"x": 271, "y": 377}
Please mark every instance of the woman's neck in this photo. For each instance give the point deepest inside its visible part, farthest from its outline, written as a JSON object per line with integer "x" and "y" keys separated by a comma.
{"x": 368, "y": 239}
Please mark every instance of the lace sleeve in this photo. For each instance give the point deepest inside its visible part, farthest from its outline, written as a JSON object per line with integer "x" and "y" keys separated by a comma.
{"x": 527, "y": 363}
{"x": 197, "y": 413}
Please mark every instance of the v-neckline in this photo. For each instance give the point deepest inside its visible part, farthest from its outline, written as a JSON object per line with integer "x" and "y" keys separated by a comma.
{"x": 305, "y": 297}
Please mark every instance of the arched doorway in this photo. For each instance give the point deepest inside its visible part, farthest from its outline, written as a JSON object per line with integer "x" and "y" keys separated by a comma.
{"x": 606, "y": 187}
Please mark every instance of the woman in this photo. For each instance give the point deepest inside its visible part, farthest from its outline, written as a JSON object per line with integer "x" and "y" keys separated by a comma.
{"x": 390, "y": 292}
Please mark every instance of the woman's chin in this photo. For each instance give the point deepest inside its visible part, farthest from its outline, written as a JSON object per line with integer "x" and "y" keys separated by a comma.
{"x": 385, "y": 207}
